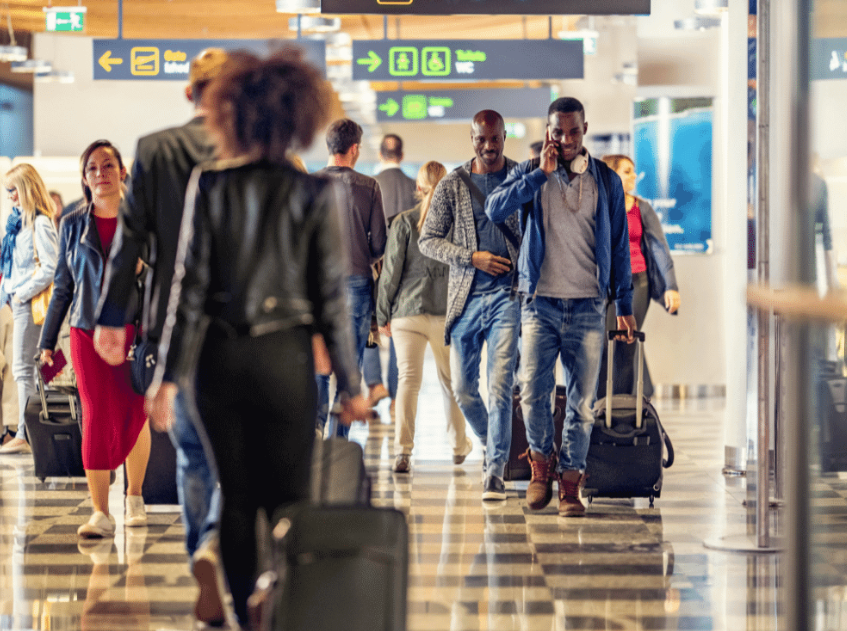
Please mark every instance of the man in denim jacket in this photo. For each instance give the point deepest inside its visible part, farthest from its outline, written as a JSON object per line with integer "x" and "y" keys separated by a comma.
{"x": 574, "y": 253}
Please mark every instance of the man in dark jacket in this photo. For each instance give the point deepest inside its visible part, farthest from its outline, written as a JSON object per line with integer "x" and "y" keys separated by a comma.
{"x": 363, "y": 231}
{"x": 398, "y": 195}
{"x": 150, "y": 215}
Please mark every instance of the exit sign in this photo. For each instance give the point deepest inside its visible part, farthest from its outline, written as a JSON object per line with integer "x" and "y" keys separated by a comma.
{"x": 64, "y": 18}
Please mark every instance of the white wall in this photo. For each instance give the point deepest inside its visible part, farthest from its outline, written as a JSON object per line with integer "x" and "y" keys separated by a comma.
{"x": 70, "y": 116}
{"x": 682, "y": 350}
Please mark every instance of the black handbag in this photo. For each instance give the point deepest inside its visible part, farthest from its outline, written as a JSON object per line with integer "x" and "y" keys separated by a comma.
{"x": 142, "y": 362}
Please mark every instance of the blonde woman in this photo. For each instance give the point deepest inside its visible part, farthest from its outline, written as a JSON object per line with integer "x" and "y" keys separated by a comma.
{"x": 29, "y": 230}
{"x": 411, "y": 308}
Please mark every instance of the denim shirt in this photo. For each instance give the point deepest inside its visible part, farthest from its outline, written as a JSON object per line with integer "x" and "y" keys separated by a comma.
{"x": 25, "y": 282}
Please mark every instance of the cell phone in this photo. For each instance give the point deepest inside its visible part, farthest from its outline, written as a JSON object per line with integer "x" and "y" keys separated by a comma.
{"x": 48, "y": 372}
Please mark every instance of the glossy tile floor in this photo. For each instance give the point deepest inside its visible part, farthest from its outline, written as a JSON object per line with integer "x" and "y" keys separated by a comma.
{"x": 473, "y": 567}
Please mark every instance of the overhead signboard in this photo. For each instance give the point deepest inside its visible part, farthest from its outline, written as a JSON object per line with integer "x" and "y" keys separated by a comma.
{"x": 451, "y": 105}
{"x": 488, "y": 7}
{"x": 406, "y": 60}
{"x": 62, "y": 19}
{"x": 829, "y": 58}
{"x": 169, "y": 59}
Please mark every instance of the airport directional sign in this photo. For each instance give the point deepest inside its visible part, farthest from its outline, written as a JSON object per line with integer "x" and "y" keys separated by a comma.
{"x": 451, "y": 105}
{"x": 467, "y": 60}
{"x": 487, "y": 7}
{"x": 59, "y": 19}
{"x": 170, "y": 59}
{"x": 829, "y": 58}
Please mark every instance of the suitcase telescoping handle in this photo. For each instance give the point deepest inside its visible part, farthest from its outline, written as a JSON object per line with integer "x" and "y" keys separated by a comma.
{"x": 610, "y": 369}
{"x": 45, "y": 414}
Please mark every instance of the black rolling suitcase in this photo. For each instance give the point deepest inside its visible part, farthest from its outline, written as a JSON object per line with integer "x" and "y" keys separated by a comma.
{"x": 625, "y": 456}
{"x": 53, "y": 421}
{"x": 832, "y": 411}
{"x": 335, "y": 547}
{"x": 517, "y": 466}
{"x": 159, "y": 485}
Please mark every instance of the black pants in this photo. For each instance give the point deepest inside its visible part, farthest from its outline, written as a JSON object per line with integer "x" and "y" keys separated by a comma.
{"x": 257, "y": 398}
{"x": 623, "y": 379}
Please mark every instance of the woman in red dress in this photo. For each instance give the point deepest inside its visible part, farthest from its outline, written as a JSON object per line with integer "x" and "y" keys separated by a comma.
{"x": 114, "y": 425}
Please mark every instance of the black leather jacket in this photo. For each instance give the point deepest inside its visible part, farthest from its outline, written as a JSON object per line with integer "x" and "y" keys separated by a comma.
{"x": 78, "y": 278}
{"x": 259, "y": 251}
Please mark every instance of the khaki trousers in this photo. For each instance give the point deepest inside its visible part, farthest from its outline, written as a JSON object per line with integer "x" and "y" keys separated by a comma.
{"x": 411, "y": 335}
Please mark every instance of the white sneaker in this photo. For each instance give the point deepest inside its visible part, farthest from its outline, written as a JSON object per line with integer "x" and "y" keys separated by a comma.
{"x": 135, "y": 513}
{"x": 99, "y": 525}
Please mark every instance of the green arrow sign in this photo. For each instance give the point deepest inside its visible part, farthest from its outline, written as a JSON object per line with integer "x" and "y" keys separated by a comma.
{"x": 372, "y": 61}
{"x": 64, "y": 19}
{"x": 390, "y": 107}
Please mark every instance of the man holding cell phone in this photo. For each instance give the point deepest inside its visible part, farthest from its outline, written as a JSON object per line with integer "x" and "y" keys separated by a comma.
{"x": 574, "y": 256}
{"x": 481, "y": 306}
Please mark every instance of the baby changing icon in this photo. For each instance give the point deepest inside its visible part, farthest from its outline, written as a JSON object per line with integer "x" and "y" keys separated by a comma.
{"x": 435, "y": 61}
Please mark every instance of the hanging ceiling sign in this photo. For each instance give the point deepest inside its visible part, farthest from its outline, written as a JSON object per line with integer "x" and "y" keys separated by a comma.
{"x": 394, "y": 59}
{"x": 170, "y": 59}
{"x": 451, "y": 105}
{"x": 488, "y": 7}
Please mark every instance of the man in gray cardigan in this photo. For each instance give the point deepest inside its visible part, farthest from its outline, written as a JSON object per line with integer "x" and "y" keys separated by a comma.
{"x": 481, "y": 307}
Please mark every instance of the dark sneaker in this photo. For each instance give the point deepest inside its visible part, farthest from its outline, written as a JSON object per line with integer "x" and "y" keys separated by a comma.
{"x": 402, "y": 463}
{"x": 569, "y": 503}
{"x": 493, "y": 489}
{"x": 539, "y": 492}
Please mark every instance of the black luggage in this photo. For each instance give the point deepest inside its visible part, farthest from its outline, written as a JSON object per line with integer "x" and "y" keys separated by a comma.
{"x": 338, "y": 473}
{"x": 53, "y": 421}
{"x": 159, "y": 485}
{"x": 517, "y": 466}
{"x": 336, "y": 545}
{"x": 625, "y": 456}
{"x": 832, "y": 411}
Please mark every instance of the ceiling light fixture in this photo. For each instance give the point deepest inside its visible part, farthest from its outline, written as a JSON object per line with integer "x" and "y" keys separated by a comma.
{"x": 312, "y": 24}
{"x": 711, "y": 7}
{"x": 55, "y": 76}
{"x": 696, "y": 23}
{"x": 32, "y": 65}
{"x": 298, "y": 6}
{"x": 12, "y": 52}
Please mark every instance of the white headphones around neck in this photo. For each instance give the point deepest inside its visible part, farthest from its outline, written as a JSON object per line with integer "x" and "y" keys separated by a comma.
{"x": 579, "y": 165}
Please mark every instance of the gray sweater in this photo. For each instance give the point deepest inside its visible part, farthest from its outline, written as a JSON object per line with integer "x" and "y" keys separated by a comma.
{"x": 449, "y": 236}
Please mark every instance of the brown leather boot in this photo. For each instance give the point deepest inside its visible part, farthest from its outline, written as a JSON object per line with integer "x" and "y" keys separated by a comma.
{"x": 569, "y": 503}
{"x": 540, "y": 489}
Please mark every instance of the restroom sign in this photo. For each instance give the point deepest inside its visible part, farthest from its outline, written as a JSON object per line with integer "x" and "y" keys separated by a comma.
{"x": 170, "y": 59}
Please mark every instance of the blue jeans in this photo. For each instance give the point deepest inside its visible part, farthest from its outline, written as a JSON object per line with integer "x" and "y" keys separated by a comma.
{"x": 360, "y": 304}
{"x": 575, "y": 330}
{"x": 372, "y": 368}
{"x": 196, "y": 477}
{"x": 25, "y": 336}
{"x": 493, "y": 319}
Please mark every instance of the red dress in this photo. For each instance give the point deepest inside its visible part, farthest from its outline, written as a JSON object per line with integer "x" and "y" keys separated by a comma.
{"x": 112, "y": 413}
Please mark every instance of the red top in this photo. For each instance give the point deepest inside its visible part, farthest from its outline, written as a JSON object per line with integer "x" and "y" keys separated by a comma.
{"x": 106, "y": 227}
{"x": 636, "y": 256}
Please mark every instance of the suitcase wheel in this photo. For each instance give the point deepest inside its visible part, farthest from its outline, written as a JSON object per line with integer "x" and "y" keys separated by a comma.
{"x": 42, "y": 479}
{"x": 651, "y": 501}
{"x": 590, "y": 499}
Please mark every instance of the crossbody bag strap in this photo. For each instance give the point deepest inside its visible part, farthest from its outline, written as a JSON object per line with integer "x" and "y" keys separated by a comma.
{"x": 477, "y": 194}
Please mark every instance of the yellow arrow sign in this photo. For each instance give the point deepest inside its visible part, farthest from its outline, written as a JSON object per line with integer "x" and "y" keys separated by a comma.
{"x": 107, "y": 61}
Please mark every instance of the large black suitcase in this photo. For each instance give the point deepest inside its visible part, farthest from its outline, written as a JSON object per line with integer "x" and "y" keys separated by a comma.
{"x": 337, "y": 544}
{"x": 517, "y": 466}
{"x": 53, "y": 421}
{"x": 832, "y": 411}
{"x": 159, "y": 485}
{"x": 625, "y": 456}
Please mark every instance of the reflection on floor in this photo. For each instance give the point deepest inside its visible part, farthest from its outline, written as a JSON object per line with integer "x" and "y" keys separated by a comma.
{"x": 473, "y": 567}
